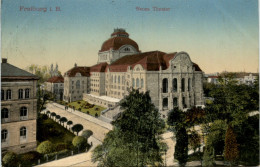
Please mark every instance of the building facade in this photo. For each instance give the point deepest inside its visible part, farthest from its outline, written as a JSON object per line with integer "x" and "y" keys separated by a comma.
{"x": 55, "y": 85}
{"x": 18, "y": 109}
{"x": 172, "y": 79}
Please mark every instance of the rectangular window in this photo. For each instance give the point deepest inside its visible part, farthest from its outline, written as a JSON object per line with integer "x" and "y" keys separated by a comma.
{"x": 184, "y": 102}
{"x": 183, "y": 84}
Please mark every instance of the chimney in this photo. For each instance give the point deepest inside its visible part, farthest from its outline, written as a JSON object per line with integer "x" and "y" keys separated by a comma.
{"x": 75, "y": 65}
{"x": 4, "y": 60}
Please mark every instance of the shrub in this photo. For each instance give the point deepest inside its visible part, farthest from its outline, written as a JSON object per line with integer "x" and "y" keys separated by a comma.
{"x": 96, "y": 115}
{"x": 87, "y": 133}
{"x": 61, "y": 146}
{"x": 87, "y": 112}
{"x": 45, "y": 147}
{"x": 96, "y": 109}
{"x": 10, "y": 159}
{"x": 80, "y": 142}
{"x": 44, "y": 116}
{"x": 30, "y": 156}
{"x": 78, "y": 102}
{"x": 79, "y": 109}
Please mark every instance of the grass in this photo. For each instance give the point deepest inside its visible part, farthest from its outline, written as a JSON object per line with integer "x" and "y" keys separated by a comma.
{"x": 86, "y": 107}
{"x": 53, "y": 131}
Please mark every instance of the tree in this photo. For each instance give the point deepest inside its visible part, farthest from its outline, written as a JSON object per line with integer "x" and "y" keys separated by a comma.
{"x": 231, "y": 152}
{"x": 57, "y": 117}
{"x": 208, "y": 157}
{"x": 194, "y": 140}
{"x": 10, "y": 159}
{"x": 45, "y": 147}
{"x": 53, "y": 114}
{"x": 135, "y": 139}
{"x": 87, "y": 133}
{"x": 176, "y": 118}
{"x": 62, "y": 120}
{"x": 80, "y": 142}
{"x": 69, "y": 123}
{"x": 48, "y": 112}
{"x": 77, "y": 128}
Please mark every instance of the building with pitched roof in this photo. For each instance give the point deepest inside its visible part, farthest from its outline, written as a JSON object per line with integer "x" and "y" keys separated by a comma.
{"x": 55, "y": 85}
{"x": 172, "y": 78}
{"x": 18, "y": 109}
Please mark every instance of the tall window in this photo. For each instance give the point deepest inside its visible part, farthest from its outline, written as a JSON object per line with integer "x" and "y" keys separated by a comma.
{"x": 4, "y": 134}
{"x": 4, "y": 113}
{"x": 142, "y": 83}
{"x": 174, "y": 85}
{"x": 165, "y": 85}
{"x": 165, "y": 102}
{"x": 115, "y": 79}
{"x": 119, "y": 79}
{"x": 175, "y": 101}
{"x": 184, "y": 103}
{"x": 8, "y": 94}
{"x": 23, "y": 132}
{"x": 112, "y": 79}
{"x": 137, "y": 82}
{"x": 78, "y": 84}
{"x": 27, "y": 93}
{"x": 123, "y": 80}
{"x": 183, "y": 84}
{"x": 20, "y": 93}
{"x": 23, "y": 113}
{"x": 2, "y": 94}
{"x": 189, "y": 84}
{"x": 133, "y": 82}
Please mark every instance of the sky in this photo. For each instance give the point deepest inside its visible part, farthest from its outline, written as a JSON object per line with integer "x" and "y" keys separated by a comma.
{"x": 218, "y": 34}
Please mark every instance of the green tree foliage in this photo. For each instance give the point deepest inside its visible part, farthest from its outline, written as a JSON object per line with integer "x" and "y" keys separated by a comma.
{"x": 63, "y": 120}
{"x": 216, "y": 136}
{"x": 45, "y": 147}
{"x": 135, "y": 140}
{"x": 57, "y": 117}
{"x": 69, "y": 123}
{"x": 87, "y": 133}
{"x": 77, "y": 128}
{"x": 10, "y": 159}
{"x": 80, "y": 142}
{"x": 181, "y": 147}
{"x": 194, "y": 140}
{"x": 231, "y": 152}
{"x": 208, "y": 157}
{"x": 53, "y": 114}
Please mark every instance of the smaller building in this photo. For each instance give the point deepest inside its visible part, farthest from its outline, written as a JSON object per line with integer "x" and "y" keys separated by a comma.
{"x": 213, "y": 79}
{"x": 246, "y": 78}
{"x": 76, "y": 82}
{"x": 55, "y": 85}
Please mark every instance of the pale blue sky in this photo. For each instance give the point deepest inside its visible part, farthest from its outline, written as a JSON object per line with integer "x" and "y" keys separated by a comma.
{"x": 218, "y": 34}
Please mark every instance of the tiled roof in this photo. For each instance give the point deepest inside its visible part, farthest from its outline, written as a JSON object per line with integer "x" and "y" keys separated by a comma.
{"x": 9, "y": 71}
{"x": 116, "y": 42}
{"x": 84, "y": 71}
{"x": 56, "y": 79}
{"x": 151, "y": 61}
{"x": 99, "y": 67}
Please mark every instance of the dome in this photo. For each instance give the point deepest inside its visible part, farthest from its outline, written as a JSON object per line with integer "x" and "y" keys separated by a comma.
{"x": 118, "y": 38}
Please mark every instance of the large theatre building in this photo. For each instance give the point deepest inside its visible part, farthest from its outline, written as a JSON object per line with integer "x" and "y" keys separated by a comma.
{"x": 172, "y": 78}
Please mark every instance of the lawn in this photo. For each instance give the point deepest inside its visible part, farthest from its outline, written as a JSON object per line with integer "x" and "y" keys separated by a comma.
{"x": 53, "y": 131}
{"x": 87, "y": 108}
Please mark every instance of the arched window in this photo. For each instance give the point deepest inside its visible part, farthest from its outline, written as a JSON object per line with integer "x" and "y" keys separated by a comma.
{"x": 137, "y": 82}
{"x": 4, "y": 134}
{"x": 189, "y": 85}
{"x": 119, "y": 79}
{"x": 2, "y": 94}
{"x": 4, "y": 113}
{"x": 174, "y": 85}
{"x": 133, "y": 82}
{"x": 20, "y": 93}
{"x": 175, "y": 101}
{"x": 8, "y": 94}
{"x": 23, "y": 132}
{"x": 77, "y": 84}
{"x": 115, "y": 79}
{"x": 142, "y": 83}
{"x": 183, "y": 84}
{"x": 165, "y": 102}
{"x": 165, "y": 85}
{"x": 27, "y": 93}
{"x": 23, "y": 113}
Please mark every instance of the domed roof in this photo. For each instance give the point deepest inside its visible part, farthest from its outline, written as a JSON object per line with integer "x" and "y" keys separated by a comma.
{"x": 118, "y": 38}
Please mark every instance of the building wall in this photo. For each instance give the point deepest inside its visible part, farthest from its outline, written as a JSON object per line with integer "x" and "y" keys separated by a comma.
{"x": 71, "y": 91}
{"x": 14, "y": 121}
{"x": 56, "y": 88}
